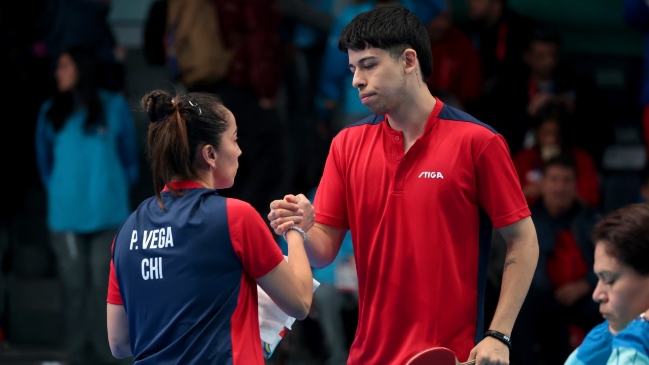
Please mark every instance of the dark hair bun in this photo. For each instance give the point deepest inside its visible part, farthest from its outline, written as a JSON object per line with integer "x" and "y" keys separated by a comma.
{"x": 158, "y": 105}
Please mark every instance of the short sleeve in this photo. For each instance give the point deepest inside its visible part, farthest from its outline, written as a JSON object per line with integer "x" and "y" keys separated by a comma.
{"x": 330, "y": 198}
{"x": 251, "y": 239}
{"x": 498, "y": 186}
{"x": 114, "y": 296}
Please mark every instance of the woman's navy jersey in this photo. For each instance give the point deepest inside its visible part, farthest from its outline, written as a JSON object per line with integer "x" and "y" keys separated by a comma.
{"x": 186, "y": 277}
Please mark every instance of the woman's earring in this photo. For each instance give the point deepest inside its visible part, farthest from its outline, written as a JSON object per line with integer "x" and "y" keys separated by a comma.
{"x": 213, "y": 167}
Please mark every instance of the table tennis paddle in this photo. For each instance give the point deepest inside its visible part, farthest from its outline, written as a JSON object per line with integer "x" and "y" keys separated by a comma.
{"x": 437, "y": 356}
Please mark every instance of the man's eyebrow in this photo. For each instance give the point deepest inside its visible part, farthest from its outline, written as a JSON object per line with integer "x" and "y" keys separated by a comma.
{"x": 363, "y": 60}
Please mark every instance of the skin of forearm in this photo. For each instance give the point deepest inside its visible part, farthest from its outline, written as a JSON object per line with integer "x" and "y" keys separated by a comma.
{"x": 299, "y": 262}
{"x": 520, "y": 263}
{"x": 320, "y": 248}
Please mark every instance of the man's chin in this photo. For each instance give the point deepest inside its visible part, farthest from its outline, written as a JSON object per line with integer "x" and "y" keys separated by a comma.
{"x": 378, "y": 111}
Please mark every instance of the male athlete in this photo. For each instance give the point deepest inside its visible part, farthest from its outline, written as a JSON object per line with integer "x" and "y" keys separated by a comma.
{"x": 420, "y": 185}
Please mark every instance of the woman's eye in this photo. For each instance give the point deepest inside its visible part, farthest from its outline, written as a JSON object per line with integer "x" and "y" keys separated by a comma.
{"x": 608, "y": 281}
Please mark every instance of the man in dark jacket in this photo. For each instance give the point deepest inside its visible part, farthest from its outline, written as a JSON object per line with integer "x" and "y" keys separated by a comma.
{"x": 558, "y": 305}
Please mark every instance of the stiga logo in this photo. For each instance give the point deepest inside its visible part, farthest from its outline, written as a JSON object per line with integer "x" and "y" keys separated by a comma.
{"x": 431, "y": 175}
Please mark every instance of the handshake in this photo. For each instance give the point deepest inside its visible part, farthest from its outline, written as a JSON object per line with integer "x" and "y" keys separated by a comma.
{"x": 293, "y": 210}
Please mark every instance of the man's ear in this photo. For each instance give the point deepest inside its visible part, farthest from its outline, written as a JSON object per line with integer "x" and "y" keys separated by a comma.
{"x": 411, "y": 62}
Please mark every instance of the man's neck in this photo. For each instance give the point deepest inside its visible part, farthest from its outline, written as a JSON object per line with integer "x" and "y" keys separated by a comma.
{"x": 411, "y": 116}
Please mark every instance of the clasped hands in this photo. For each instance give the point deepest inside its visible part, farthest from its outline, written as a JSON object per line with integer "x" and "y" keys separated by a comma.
{"x": 293, "y": 210}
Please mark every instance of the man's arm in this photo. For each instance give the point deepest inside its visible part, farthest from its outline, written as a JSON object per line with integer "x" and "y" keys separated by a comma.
{"x": 323, "y": 243}
{"x": 520, "y": 264}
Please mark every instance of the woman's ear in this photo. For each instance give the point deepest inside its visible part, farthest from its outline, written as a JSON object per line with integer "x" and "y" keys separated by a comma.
{"x": 209, "y": 155}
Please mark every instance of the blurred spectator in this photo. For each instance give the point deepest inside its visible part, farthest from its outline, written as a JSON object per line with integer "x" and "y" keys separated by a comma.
{"x": 545, "y": 81}
{"x": 500, "y": 36}
{"x": 304, "y": 27}
{"x": 558, "y": 303}
{"x": 154, "y": 33}
{"x": 25, "y": 71}
{"x": 519, "y": 96}
{"x": 86, "y": 150}
{"x": 636, "y": 15}
{"x": 549, "y": 141}
{"x": 337, "y": 101}
{"x": 457, "y": 72}
{"x": 232, "y": 48}
{"x": 196, "y": 52}
{"x": 85, "y": 23}
{"x": 312, "y": 17}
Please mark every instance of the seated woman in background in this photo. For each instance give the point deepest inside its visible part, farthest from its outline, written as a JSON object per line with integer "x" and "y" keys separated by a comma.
{"x": 549, "y": 141}
{"x": 621, "y": 251}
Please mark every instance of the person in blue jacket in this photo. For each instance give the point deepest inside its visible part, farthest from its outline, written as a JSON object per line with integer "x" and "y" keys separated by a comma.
{"x": 621, "y": 251}
{"x": 87, "y": 159}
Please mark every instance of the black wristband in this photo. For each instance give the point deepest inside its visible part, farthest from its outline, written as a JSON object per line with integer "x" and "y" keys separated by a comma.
{"x": 500, "y": 337}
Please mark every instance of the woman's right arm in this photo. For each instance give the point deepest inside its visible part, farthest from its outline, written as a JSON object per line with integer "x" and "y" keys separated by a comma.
{"x": 290, "y": 284}
{"x": 116, "y": 319}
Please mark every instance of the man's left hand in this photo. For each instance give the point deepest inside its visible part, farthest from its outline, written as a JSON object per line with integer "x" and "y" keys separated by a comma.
{"x": 490, "y": 351}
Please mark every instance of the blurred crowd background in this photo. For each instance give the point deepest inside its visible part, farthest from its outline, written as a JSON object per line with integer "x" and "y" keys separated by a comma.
{"x": 563, "y": 81}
